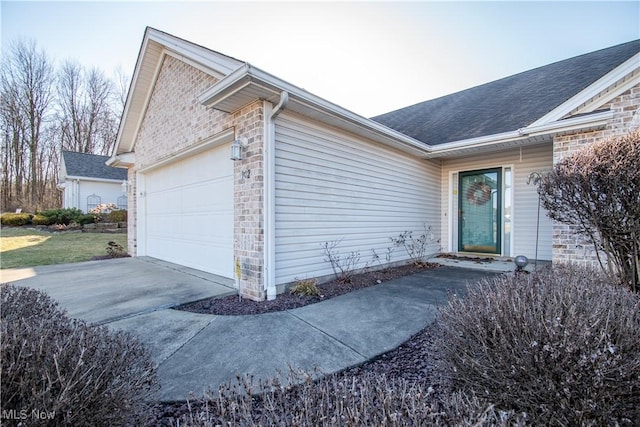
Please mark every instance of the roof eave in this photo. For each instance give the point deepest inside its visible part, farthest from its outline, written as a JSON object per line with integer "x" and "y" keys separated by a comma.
{"x": 249, "y": 83}
{"x": 122, "y": 160}
{"x": 614, "y": 78}
{"x": 524, "y": 136}
{"x": 155, "y": 45}
{"x": 91, "y": 178}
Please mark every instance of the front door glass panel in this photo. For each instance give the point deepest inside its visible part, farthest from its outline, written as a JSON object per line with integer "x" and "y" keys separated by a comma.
{"x": 480, "y": 228}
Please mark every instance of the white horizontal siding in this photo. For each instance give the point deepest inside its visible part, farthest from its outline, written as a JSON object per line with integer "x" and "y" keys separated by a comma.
{"x": 336, "y": 186}
{"x": 537, "y": 158}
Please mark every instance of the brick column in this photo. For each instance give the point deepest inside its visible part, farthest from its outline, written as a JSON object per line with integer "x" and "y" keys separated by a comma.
{"x": 248, "y": 248}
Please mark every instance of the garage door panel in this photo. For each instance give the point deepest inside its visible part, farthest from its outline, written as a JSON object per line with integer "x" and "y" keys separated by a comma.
{"x": 189, "y": 212}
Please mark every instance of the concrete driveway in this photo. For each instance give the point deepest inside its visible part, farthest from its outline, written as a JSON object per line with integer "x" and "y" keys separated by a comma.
{"x": 105, "y": 291}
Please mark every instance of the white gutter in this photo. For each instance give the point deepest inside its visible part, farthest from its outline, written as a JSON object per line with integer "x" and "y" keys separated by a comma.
{"x": 250, "y": 75}
{"x": 86, "y": 178}
{"x": 269, "y": 194}
{"x": 523, "y": 134}
{"x": 567, "y": 125}
{"x": 122, "y": 160}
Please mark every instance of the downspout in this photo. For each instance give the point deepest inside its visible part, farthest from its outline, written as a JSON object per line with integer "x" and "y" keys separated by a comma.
{"x": 269, "y": 194}
{"x": 77, "y": 195}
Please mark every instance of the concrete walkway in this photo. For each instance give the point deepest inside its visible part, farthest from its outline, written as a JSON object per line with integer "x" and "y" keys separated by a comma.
{"x": 195, "y": 352}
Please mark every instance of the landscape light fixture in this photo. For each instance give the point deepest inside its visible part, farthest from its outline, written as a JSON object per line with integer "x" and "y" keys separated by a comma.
{"x": 236, "y": 150}
{"x": 521, "y": 262}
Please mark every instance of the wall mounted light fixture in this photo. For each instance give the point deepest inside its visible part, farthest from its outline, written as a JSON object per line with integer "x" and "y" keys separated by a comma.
{"x": 236, "y": 150}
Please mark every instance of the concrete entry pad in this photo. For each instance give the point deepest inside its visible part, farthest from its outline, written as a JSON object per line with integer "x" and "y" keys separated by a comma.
{"x": 105, "y": 291}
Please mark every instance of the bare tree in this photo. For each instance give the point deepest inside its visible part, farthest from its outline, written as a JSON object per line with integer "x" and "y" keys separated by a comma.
{"x": 85, "y": 114}
{"x": 26, "y": 83}
{"x": 122, "y": 82}
{"x": 37, "y": 120}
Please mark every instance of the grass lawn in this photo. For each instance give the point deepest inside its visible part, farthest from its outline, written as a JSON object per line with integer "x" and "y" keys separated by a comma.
{"x": 21, "y": 247}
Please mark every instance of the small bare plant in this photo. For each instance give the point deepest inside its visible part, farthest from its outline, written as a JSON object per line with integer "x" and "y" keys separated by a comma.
{"x": 305, "y": 287}
{"x": 115, "y": 250}
{"x": 375, "y": 257}
{"x": 416, "y": 247}
{"x": 343, "y": 267}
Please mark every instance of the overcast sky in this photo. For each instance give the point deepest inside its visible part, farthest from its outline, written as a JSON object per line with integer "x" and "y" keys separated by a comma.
{"x": 369, "y": 57}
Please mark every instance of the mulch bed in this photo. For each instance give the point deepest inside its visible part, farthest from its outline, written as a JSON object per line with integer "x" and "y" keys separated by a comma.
{"x": 235, "y": 306}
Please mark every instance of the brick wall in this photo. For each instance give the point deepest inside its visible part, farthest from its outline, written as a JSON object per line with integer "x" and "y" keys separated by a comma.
{"x": 248, "y": 204}
{"x": 567, "y": 244}
{"x": 175, "y": 120}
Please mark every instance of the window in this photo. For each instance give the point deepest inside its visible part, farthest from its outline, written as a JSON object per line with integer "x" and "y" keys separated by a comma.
{"x": 122, "y": 202}
{"x": 93, "y": 201}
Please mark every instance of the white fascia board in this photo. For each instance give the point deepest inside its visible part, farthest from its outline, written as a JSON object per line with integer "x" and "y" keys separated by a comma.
{"x": 568, "y": 125}
{"x": 212, "y": 60}
{"x": 609, "y": 79}
{"x": 88, "y": 178}
{"x": 249, "y": 75}
{"x": 620, "y": 88}
{"x": 123, "y": 160}
{"x": 205, "y": 60}
{"x": 523, "y": 135}
{"x": 478, "y": 142}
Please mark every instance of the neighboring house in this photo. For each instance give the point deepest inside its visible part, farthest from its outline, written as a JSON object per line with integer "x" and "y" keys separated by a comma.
{"x": 86, "y": 181}
{"x": 313, "y": 172}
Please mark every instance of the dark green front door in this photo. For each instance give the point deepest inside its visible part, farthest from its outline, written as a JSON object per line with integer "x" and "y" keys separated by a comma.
{"x": 479, "y": 217}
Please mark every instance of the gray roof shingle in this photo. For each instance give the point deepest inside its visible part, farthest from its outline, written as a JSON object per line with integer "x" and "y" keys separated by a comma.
{"x": 507, "y": 104}
{"x": 91, "y": 166}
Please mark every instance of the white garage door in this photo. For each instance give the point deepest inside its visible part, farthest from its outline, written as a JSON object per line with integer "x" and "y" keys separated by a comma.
{"x": 189, "y": 212}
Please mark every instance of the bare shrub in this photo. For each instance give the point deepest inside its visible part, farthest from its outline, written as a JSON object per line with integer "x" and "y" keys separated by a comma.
{"x": 561, "y": 345}
{"x": 78, "y": 374}
{"x": 344, "y": 267}
{"x": 596, "y": 190}
{"x": 370, "y": 400}
{"x": 416, "y": 247}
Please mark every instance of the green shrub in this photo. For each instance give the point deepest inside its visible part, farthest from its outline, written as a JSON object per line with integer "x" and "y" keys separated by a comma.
{"x": 117, "y": 216}
{"x": 561, "y": 345}
{"x": 62, "y": 216}
{"x": 306, "y": 287}
{"x": 15, "y": 218}
{"x": 86, "y": 219}
{"x": 81, "y": 375}
{"x": 39, "y": 219}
